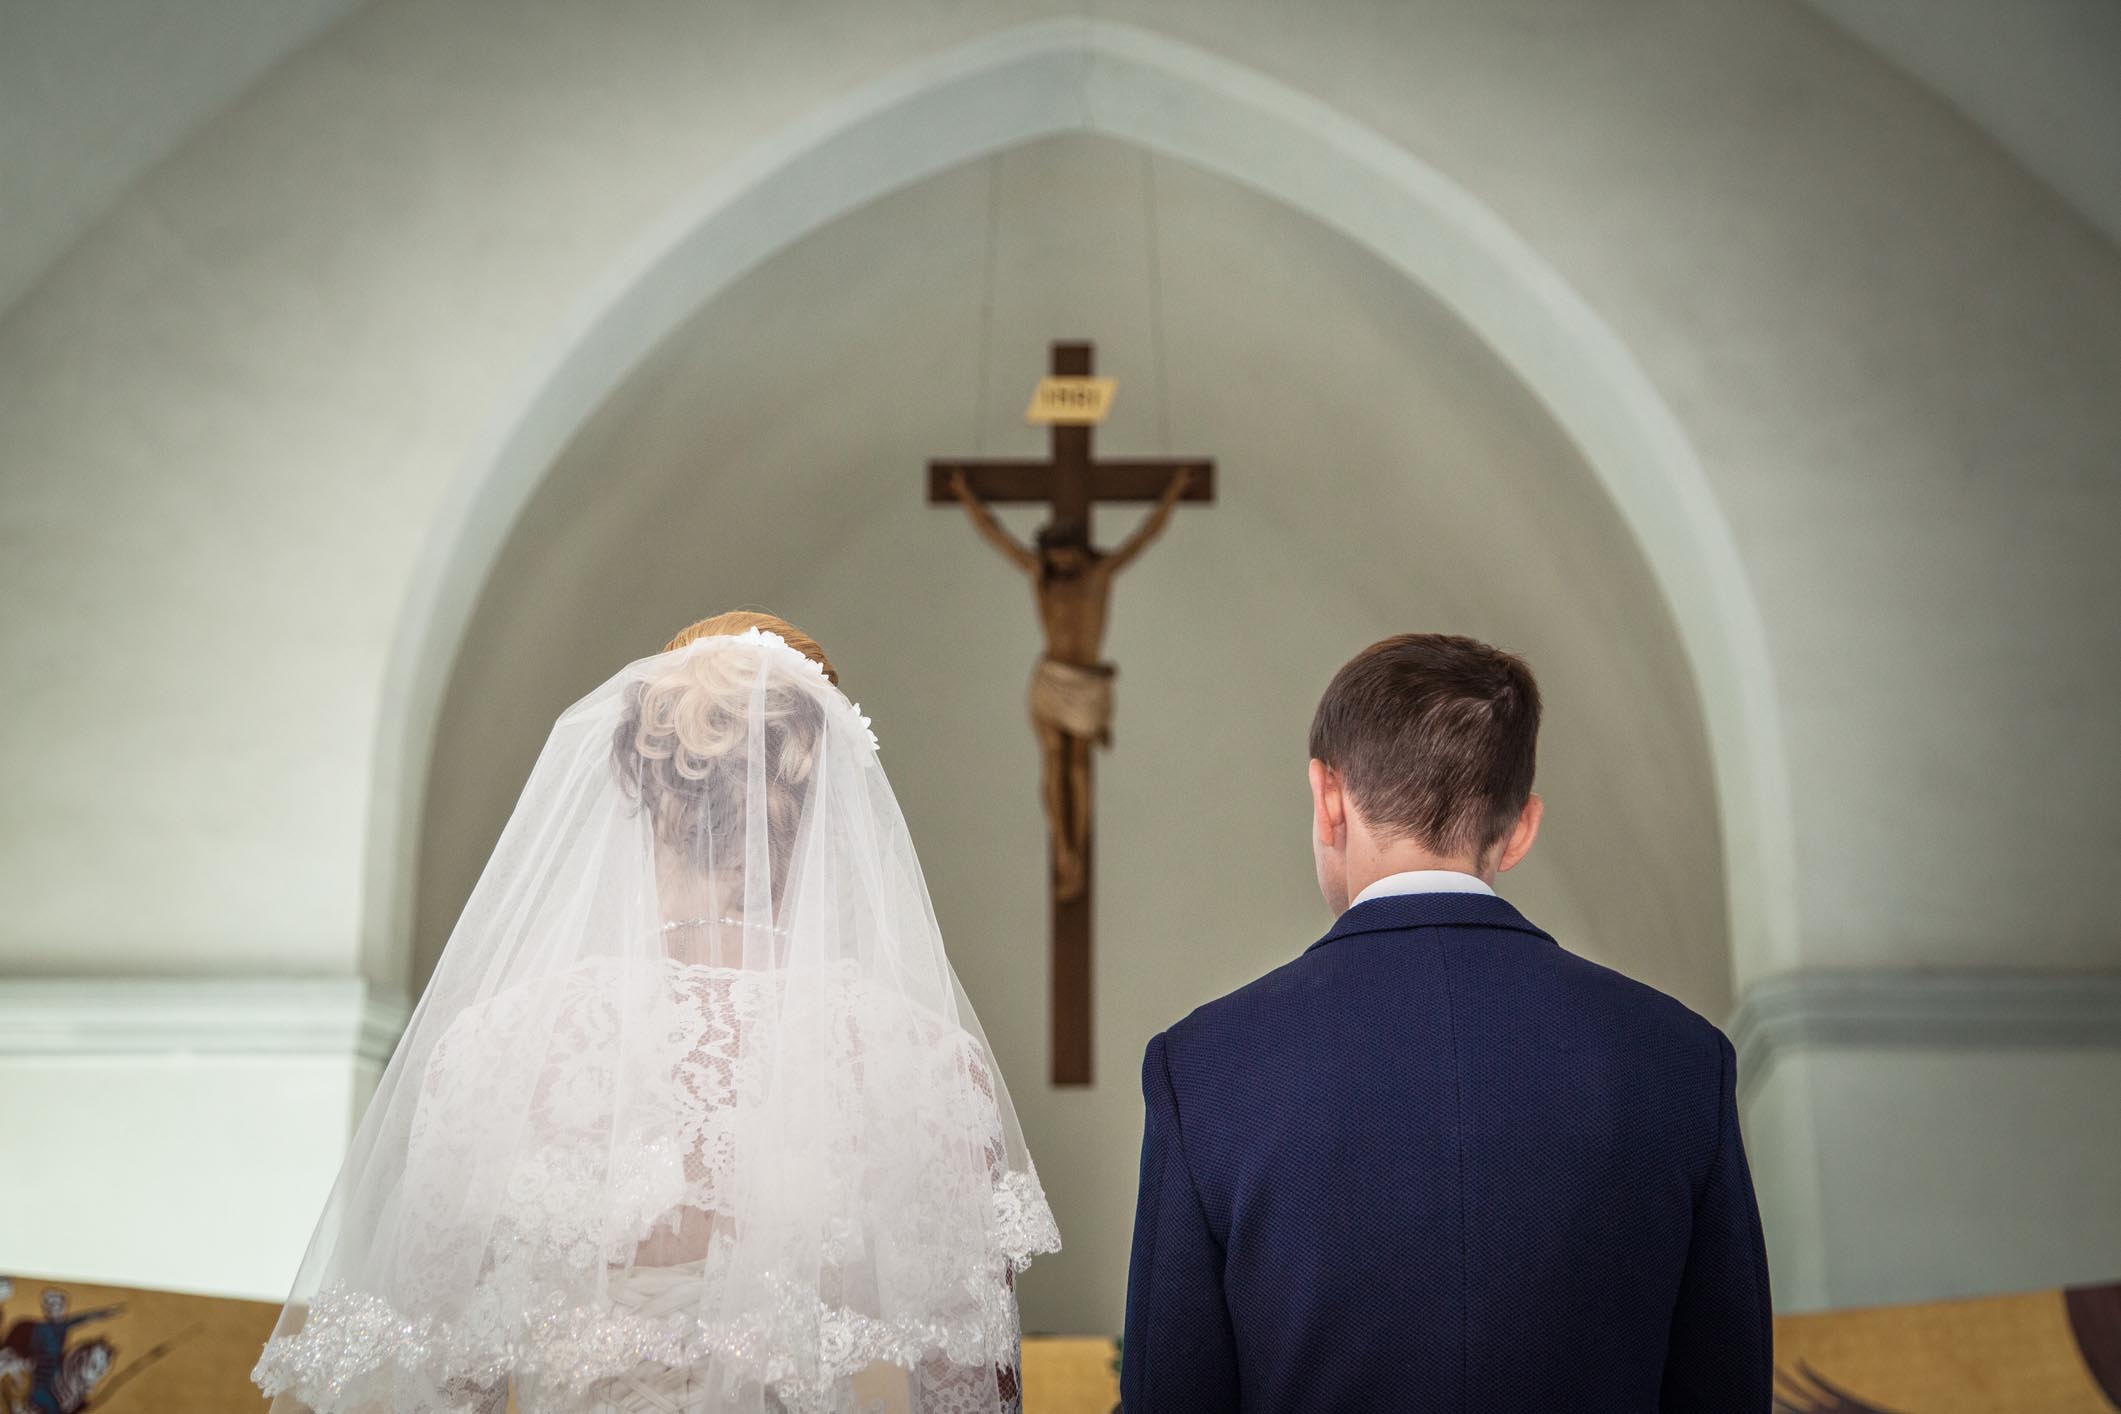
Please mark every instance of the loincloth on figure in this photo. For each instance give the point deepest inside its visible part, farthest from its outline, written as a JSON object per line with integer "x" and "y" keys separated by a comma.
{"x": 1074, "y": 699}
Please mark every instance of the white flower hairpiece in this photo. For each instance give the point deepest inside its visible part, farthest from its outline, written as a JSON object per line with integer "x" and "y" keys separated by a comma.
{"x": 865, "y": 726}
{"x": 757, "y": 635}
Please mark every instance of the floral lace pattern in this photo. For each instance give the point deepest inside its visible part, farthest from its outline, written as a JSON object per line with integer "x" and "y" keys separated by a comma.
{"x": 579, "y": 1152}
{"x": 358, "y": 1352}
{"x": 1023, "y": 1224}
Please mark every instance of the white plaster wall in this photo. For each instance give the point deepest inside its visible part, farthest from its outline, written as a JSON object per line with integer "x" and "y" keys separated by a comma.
{"x": 233, "y": 409}
{"x": 179, "y": 1134}
{"x": 1925, "y": 1134}
{"x": 1378, "y": 471}
{"x": 146, "y": 1194}
{"x": 2039, "y": 75}
{"x": 93, "y": 95}
{"x": 1782, "y": 1149}
{"x": 1951, "y": 1175}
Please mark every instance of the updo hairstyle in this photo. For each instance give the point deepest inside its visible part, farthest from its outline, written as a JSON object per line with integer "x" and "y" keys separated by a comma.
{"x": 681, "y": 748}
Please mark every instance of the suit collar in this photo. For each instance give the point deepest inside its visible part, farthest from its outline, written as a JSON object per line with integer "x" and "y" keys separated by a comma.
{"x": 1397, "y": 912}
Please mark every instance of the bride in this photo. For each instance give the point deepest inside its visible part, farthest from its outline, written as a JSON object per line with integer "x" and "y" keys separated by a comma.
{"x": 693, "y": 1115}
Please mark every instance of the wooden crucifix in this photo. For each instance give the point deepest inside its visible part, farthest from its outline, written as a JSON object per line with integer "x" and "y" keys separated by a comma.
{"x": 1071, "y": 689}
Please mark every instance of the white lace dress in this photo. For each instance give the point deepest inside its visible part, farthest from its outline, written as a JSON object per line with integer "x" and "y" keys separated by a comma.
{"x": 588, "y": 1202}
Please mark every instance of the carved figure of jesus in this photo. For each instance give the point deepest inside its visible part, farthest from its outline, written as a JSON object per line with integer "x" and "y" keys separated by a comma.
{"x": 1071, "y": 689}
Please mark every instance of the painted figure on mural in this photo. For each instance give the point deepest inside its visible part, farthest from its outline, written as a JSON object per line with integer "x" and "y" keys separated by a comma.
{"x": 34, "y": 1352}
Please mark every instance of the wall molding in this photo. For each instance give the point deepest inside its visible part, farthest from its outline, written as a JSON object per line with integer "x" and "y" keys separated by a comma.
{"x": 1960, "y": 1009}
{"x": 82, "y": 1017}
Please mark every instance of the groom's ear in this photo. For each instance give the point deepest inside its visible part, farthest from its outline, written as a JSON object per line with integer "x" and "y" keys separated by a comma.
{"x": 1329, "y": 805}
{"x": 1518, "y": 843}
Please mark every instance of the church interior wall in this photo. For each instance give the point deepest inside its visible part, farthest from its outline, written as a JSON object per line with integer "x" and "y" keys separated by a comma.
{"x": 2036, "y": 76}
{"x": 1955, "y": 1171}
{"x": 238, "y": 398}
{"x": 92, "y": 96}
{"x": 1782, "y": 1148}
{"x": 180, "y": 1133}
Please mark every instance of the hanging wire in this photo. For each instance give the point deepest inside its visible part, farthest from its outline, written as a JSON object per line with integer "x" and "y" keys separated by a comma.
{"x": 1156, "y": 302}
{"x": 986, "y": 305}
{"x": 1083, "y": 60}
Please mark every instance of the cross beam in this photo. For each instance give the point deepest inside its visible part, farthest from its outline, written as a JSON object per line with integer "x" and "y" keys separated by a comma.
{"x": 1072, "y": 480}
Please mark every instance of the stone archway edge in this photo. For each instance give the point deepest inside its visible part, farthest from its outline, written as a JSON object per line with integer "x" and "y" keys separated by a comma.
{"x": 1091, "y": 75}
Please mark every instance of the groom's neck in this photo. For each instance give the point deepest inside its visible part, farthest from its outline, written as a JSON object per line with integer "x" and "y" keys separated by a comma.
{"x": 1371, "y": 860}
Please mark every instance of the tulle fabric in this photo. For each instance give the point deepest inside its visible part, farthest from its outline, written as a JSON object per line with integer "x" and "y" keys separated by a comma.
{"x": 694, "y": 1115}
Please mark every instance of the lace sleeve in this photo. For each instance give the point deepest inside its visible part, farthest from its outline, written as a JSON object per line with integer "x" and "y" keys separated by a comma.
{"x": 943, "y": 1388}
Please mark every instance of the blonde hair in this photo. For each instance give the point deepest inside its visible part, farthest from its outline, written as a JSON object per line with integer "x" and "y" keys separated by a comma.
{"x": 680, "y": 748}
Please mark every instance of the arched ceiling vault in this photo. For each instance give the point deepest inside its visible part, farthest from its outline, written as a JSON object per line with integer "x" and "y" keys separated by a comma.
{"x": 1177, "y": 100}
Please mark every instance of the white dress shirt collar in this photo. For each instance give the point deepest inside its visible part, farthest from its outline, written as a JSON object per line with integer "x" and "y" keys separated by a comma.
{"x": 1423, "y": 881}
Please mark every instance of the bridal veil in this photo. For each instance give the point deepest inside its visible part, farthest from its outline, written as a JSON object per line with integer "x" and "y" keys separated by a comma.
{"x": 693, "y": 1114}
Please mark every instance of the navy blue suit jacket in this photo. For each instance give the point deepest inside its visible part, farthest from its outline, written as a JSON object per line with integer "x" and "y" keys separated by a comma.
{"x": 1439, "y": 1163}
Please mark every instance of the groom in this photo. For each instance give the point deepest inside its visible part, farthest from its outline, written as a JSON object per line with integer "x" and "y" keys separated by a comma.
{"x": 1438, "y": 1162}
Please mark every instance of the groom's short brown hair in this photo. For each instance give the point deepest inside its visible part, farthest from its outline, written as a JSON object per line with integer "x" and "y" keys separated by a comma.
{"x": 1435, "y": 736}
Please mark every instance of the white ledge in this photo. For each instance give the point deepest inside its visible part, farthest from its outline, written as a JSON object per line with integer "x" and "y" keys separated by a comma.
{"x": 1934, "y": 1009}
{"x": 56, "y": 1017}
